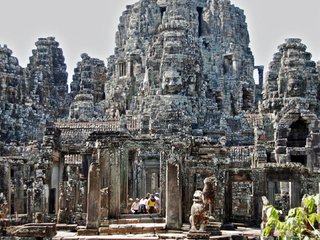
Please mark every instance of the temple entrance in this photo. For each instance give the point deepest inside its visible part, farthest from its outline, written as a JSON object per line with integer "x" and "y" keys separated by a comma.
{"x": 143, "y": 174}
{"x": 241, "y": 201}
{"x": 284, "y": 195}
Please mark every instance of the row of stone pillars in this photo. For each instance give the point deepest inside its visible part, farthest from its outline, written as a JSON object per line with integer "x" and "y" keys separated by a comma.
{"x": 111, "y": 171}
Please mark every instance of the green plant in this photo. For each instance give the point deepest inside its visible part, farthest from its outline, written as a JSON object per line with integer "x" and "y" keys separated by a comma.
{"x": 300, "y": 223}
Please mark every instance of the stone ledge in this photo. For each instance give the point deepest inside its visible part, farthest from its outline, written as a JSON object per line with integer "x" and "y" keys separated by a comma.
{"x": 33, "y": 230}
{"x": 88, "y": 232}
{"x": 198, "y": 235}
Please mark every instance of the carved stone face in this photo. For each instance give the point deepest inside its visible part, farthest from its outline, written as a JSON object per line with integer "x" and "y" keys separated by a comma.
{"x": 296, "y": 87}
{"x": 171, "y": 82}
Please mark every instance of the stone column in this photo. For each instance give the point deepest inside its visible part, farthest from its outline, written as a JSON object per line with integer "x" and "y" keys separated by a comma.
{"x": 124, "y": 178}
{"x": 163, "y": 197}
{"x": 227, "y": 199}
{"x": 139, "y": 179}
{"x": 55, "y": 183}
{"x": 259, "y": 189}
{"x": 114, "y": 182}
{"x": 271, "y": 192}
{"x": 85, "y": 196}
{"x": 173, "y": 197}
{"x": 30, "y": 205}
{"x": 94, "y": 202}
{"x": 294, "y": 193}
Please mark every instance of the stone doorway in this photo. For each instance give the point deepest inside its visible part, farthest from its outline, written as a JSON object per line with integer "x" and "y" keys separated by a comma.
{"x": 143, "y": 174}
{"x": 241, "y": 201}
{"x": 284, "y": 195}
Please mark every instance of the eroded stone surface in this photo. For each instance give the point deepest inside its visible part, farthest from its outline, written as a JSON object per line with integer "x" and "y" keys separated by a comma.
{"x": 175, "y": 104}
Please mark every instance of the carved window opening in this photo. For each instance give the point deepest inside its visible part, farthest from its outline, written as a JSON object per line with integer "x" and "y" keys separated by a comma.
{"x": 299, "y": 159}
{"x": 227, "y": 64}
{"x": 122, "y": 69}
{"x": 258, "y": 75}
{"x": 298, "y": 134}
{"x": 219, "y": 101}
{"x": 200, "y": 12}
{"x": 246, "y": 99}
{"x": 269, "y": 157}
{"x": 52, "y": 200}
{"x": 85, "y": 163}
{"x": 162, "y": 11}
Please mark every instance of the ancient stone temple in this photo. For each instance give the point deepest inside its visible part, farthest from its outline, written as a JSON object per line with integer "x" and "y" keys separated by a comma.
{"x": 176, "y": 103}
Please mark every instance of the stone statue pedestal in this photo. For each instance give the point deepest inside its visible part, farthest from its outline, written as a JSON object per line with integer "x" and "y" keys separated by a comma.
{"x": 213, "y": 230}
{"x": 198, "y": 235}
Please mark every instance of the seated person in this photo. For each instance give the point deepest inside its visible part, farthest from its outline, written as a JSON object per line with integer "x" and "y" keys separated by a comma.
{"x": 135, "y": 206}
{"x": 152, "y": 204}
{"x": 143, "y": 205}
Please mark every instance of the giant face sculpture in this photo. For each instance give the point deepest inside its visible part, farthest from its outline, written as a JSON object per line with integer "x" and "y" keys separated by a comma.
{"x": 296, "y": 85}
{"x": 171, "y": 82}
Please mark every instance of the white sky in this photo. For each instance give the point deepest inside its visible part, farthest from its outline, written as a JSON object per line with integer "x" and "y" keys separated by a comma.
{"x": 89, "y": 26}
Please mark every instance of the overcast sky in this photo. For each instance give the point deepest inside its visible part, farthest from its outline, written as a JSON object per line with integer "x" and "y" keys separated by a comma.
{"x": 89, "y": 26}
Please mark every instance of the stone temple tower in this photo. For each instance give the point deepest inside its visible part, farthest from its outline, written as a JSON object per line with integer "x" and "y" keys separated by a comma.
{"x": 186, "y": 62}
{"x": 176, "y": 104}
{"x": 290, "y": 102}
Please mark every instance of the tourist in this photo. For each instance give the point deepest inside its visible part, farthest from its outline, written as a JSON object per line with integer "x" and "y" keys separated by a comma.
{"x": 157, "y": 197}
{"x": 143, "y": 205}
{"x": 152, "y": 204}
{"x": 135, "y": 206}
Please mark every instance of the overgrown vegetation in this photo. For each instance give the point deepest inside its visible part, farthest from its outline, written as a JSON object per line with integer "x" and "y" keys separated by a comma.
{"x": 300, "y": 223}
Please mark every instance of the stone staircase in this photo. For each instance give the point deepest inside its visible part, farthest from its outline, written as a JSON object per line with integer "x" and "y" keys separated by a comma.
{"x": 134, "y": 224}
{"x": 146, "y": 227}
{"x": 129, "y": 224}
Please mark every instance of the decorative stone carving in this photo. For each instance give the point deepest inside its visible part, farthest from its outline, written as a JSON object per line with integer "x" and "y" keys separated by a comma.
{"x": 4, "y": 207}
{"x": 198, "y": 218}
{"x": 176, "y": 103}
{"x": 61, "y": 218}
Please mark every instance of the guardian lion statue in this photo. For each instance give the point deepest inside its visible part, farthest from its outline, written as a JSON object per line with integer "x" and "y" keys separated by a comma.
{"x": 198, "y": 218}
{"x": 4, "y": 208}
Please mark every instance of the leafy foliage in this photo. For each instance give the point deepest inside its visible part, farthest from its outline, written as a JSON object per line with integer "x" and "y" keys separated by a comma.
{"x": 300, "y": 223}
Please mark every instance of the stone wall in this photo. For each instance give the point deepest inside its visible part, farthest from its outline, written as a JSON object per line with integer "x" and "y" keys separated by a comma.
{"x": 176, "y": 103}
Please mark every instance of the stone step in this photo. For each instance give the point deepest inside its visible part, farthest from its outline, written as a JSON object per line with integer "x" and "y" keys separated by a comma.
{"x": 36, "y": 230}
{"x": 137, "y": 220}
{"x": 66, "y": 227}
{"x": 139, "y": 228}
{"x": 142, "y": 215}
